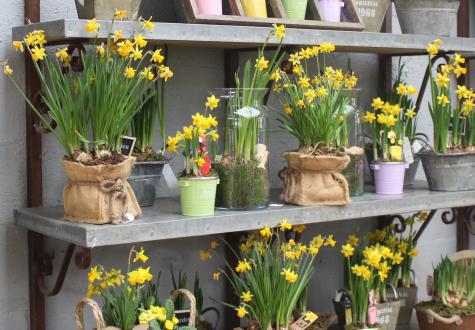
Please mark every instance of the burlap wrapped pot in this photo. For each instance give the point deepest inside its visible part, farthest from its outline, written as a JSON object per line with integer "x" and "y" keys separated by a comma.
{"x": 315, "y": 180}
{"x": 99, "y": 194}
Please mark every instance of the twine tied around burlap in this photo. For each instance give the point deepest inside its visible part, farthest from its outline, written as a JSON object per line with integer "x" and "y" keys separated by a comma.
{"x": 118, "y": 189}
{"x": 431, "y": 316}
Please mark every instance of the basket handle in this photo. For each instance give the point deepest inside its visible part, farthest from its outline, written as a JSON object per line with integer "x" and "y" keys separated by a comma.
{"x": 431, "y": 316}
{"x": 192, "y": 300}
{"x": 96, "y": 312}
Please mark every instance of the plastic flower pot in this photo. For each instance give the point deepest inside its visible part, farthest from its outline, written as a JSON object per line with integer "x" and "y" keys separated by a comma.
{"x": 331, "y": 10}
{"x": 295, "y": 9}
{"x": 145, "y": 179}
{"x": 254, "y": 8}
{"x": 210, "y": 7}
{"x": 449, "y": 172}
{"x": 389, "y": 177}
{"x": 198, "y": 195}
{"x": 434, "y": 17}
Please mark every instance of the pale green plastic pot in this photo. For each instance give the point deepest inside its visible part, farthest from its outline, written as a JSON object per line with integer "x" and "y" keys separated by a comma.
{"x": 295, "y": 9}
{"x": 198, "y": 195}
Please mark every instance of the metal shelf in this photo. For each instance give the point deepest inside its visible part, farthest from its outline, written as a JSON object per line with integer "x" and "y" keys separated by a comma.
{"x": 164, "y": 221}
{"x": 238, "y": 37}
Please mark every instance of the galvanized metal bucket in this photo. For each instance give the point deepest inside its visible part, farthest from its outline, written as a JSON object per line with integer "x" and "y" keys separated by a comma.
{"x": 449, "y": 172}
{"x": 145, "y": 179}
{"x": 411, "y": 172}
{"x": 388, "y": 314}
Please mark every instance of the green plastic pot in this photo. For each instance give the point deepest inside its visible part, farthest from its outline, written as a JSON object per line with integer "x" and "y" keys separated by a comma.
{"x": 198, "y": 195}
{"x": 295, "y": 9}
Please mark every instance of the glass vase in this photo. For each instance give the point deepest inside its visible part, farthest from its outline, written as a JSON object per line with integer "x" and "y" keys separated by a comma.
{"x": 354, "y": 172}
{"x": 243, "y": 166}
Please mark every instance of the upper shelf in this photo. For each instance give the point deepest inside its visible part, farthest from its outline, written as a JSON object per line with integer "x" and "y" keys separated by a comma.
{"x": 220, "y": 36}
{"x": 164, "y": 221}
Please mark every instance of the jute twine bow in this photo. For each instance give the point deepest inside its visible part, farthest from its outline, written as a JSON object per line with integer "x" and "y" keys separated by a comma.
{"x": 118, "y": 189}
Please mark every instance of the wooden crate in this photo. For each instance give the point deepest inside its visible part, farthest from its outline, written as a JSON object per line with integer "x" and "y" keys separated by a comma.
{"x": 235, "y": 16}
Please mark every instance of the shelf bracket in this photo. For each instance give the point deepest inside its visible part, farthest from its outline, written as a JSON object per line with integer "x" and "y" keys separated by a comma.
{"x": 45, "y": 267}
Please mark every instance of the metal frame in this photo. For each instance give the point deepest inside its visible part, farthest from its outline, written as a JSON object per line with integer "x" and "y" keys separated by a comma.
{"x": 40, "y": 263}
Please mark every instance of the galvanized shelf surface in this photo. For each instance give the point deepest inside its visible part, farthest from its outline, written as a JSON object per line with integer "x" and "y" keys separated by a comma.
{"x": 220, "y": 36}
{"x": 164, "y": 221}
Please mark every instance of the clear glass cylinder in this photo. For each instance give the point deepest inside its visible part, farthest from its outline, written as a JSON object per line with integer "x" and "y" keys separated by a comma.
{"x": 354, "y": 172}
{"x": 243, "y": 166}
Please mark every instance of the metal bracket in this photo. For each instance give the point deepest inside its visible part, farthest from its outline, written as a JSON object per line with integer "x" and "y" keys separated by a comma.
{"x": 45, "y": 267}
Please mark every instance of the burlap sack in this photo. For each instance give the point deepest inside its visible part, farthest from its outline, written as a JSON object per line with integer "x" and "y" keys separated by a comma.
{"x": 315, "y": 180}
{"x": 99, "y": 194}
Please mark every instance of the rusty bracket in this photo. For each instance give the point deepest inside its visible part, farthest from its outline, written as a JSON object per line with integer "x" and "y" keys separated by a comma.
{"x": 82, "y": 260}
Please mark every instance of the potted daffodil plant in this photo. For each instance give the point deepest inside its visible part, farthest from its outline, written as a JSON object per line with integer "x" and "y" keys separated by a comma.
{"x": 315, "y": 111}
{"x": 88, "y": 113}
{"x": 388, "y": 124}
{"x": 146, "y": 174}
{"x": 271, "y": 276}
{"x": 130, "y": 301}
{"x": 449, "y": 166}
{"x": 197, "y": 141}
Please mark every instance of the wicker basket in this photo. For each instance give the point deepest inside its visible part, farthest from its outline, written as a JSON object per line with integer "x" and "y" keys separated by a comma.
{"x": 99, "y": 319}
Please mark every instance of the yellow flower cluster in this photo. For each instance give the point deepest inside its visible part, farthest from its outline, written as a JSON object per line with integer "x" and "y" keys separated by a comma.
{"x": 466, "y": 98}
{"x": 160, "y": 314}
{"x": 139, "y": 276}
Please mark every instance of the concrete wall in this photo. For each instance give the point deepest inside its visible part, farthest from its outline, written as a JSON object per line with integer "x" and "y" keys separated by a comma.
{"x": 206, "y": 66}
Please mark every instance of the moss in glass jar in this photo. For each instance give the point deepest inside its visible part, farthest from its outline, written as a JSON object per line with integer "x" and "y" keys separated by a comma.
{"x": 244, "y": 184}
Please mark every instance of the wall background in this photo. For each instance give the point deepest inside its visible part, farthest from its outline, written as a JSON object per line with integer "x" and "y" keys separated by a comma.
{"x": 196, "y": 71}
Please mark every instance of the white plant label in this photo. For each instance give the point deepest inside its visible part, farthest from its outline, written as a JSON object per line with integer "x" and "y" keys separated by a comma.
{"x": 248, "y": 112}
{"x": 407, "y": 151}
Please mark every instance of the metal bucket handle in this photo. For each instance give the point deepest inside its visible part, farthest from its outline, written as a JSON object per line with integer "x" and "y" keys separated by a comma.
{"x": 393, "y": 289}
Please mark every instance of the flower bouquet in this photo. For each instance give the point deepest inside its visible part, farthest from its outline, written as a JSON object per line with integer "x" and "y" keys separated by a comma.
{"x": 130, "y": 303}
{"x": 271, "y": 277}
{"x": 88, "y": 112}
{"x": 243, "y": 166}
{"x": 147, "y": 171}
{"x": 198, "y": 182}
{"x": 453, "y": 296}
{"x": 389, "y": 123}
{"x": 450, "y": 165}
{"x": 315, "y": 112}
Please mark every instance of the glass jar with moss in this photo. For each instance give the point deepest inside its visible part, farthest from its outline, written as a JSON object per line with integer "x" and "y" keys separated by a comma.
{"x": 243, "y": 165}
{"x": 353, "y": 141}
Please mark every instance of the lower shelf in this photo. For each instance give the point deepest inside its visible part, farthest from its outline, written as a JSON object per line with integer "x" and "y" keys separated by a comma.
{"x": 164, "y": 221}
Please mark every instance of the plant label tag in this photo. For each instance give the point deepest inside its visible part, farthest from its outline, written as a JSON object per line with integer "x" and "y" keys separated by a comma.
{"x": 183, "y": 317}
{"x": 416, "y": 146}
{"x": 127, "y": 145}
{"x": 407, "y": 151}
{"x": 304, "y": 322}
{"x": 248, "y": 112}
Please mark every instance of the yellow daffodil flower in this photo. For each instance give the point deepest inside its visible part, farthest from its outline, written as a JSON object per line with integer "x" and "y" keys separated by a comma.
{"x": 285, "y": 225}
{"x": 347, "y": 250}
{"x": 241, "y": 312}
{"x": 377, "y": 103}
{"x": 92, "y": 26}
{"x": 442, "y": 80}
{"x": 411, "y": 113}
{"x": 460, "y": 71}
{"x": 243, "y": 266}
{"x": 443, "y": 100}
{"x": 289, "y": 275}
{"x": 369, "y": 117}
{"x": 120, "y": 14}
{"x": 139, "y": 276}
{"x": 327, "y": 47}
{"x": 279, "y": 31}
{"x": 7, "y": 70}
{"x": 140, "y": 41}
{"x": 299, "y": 228}
{"x": 18, "y": 45}
{"x": 330, "y": 241}
{"x": 101, "y": 50}
{"x": 117, "y": 35}
{"x": 288, "y": 109}
{"x": 310, "y": 95}
{"x": 216, "y": 276}
{"x": 265, "y": 232}
{"x": 38, "y": 53}
{"x": 157, "y": 57}
{"x": 94, "y": 275}
{"x": 246, "y": 296}
{"x": 322, "y": 91}
{"x": 262, "y": 64}
{"x": 212, "y": 102}
{"x": 140, "y": 255}
{"x": 148, "y": 25}
{"x": 129, "y": 72}
{"x": 204, "y": 255}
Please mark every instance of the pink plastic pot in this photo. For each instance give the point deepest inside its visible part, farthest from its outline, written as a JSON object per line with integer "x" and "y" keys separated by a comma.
{"x": 210, "y": 7}
{"x": 389, "y": 177}
{"x": 331, "y": 9}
